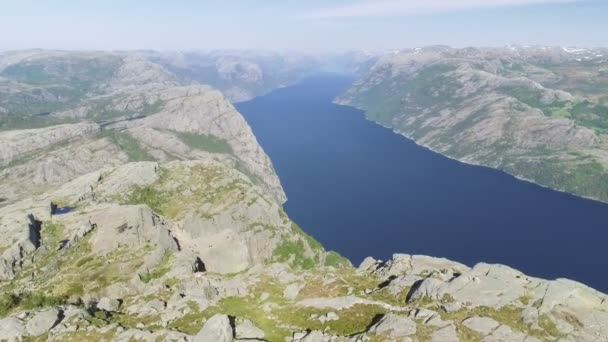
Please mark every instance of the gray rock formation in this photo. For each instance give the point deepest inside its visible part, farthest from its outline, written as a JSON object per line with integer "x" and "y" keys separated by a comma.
{"x": 246, "y": 330}
{"x": 394, "y": 326}
{"x": 12, "y": 328}
{"x": 108, "y": 304}
{"x": 216, "y": 329}
{"x": 43, "y": 321}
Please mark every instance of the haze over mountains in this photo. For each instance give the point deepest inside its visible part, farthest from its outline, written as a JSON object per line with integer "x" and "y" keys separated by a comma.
{"x": 137, "y": 204}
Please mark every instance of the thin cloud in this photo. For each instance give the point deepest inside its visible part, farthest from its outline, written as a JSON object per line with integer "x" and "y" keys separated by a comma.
{"x": 385, "y": 8}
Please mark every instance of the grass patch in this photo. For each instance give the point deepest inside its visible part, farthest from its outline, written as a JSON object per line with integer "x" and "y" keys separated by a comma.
{"x": 507, "y": 315}
{"x": 333, "y": 259}
{"x": 351, "y": 321}
{"x": 293, "y": 252}
{"x": 128, "y": 145}
{"x": 149, "y": 196}
{"x": 27, "y": 301}
{"x": 205, "y": 142}
{"x": 191, "y": 322}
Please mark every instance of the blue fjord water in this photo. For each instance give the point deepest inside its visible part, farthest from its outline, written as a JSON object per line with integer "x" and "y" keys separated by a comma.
{"x": 362, "y": 190}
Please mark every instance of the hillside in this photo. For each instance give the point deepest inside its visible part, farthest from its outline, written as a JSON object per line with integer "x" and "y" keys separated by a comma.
{"x": 537, "y": 113}
{"x": 139, "y": 208}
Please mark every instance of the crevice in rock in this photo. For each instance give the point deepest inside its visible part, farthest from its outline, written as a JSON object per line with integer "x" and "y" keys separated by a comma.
{"x": 415, "y": 287}
{"x": 232, "y": 321}
{"x": 373, "y": 322}
{"x": 179, "y": 247}
{"x": 35, "y": 227}
{"x": 385, "y": 283}
{"x": 198, "y": 266}
{"x": 60, "y": 317}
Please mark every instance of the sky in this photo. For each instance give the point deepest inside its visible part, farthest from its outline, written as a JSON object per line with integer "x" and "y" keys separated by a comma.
{"x": 300, "y": 25}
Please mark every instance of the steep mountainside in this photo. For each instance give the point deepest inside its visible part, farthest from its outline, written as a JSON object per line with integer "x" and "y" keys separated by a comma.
{"x": 131, "y": 110}
{"x": 537, "y": 113}
{"x": 140, "y": 209}
{"x": 194, "y": 251}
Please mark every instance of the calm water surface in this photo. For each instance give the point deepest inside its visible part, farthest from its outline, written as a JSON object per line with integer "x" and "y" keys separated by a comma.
{"x": 362, "y": 190}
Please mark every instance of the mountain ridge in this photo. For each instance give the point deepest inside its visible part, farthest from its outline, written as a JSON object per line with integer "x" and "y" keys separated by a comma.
{"x": 144, "y": 210}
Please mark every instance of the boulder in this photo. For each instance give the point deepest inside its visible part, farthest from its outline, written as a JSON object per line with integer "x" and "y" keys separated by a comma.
{"x": 216, "y": 329}
{"x": 429, "y": 287}
{"x": 328, "y": 317}
{"x": 12, "y": 328}
{"x": 245, "y": 329}
{"x": 394, "y": 325}
{"x": 482, "y": 325}
{"x": 107, "y": 304}
{"x": 445, "y": 334}
{"x": 130, "y": 175}
{"x": 368, "y": 265}
{"x": 43, "y": 321}
{"x": 506, "y": 334}
{"x": 292, "y": 291}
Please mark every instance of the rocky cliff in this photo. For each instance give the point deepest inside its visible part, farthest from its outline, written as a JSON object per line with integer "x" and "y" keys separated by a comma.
{"x": 152, "y": 214}
{"x": 195, "y": 251}
{"x": 113, "y": 108}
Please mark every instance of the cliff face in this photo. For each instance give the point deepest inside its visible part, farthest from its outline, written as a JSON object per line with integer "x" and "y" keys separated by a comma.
{"x": 194, "y": 250}
{"x": 135, "y": 110}
{"x": 155, "y": 215}
{"x": 536, "y": 113}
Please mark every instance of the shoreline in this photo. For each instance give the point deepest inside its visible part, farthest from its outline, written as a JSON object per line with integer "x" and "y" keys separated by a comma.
{"x": 517, "y": 177}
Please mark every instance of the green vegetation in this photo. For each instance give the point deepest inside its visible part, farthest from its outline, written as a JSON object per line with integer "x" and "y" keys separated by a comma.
{"x": 583, "y": 112}
{"x": 395, "y": 96}
{"x": 54, "y": 84}
{"x": 575, "y": 173}
{"x": 507, "y": 315}
{"x": 333, "y": 259}
{"x": 128, "y": 144}
{"x": 352, "y": 320}
{"x": 191, "y": 322}
{"x": 204, "y": 142}
{"x": 80, "y": 72}
{"x": 29, "y": 121}
{"x": 312, "y": 243}
{"x": 61, "y": 273}
{"x": 188, "y": 188}
{"x": 104, "y": 108}
{"x": 27, "y": 301}
{"x": 148, "y": 196}
{"x": 285, "y": 317}
{"x": 293, "y": 252}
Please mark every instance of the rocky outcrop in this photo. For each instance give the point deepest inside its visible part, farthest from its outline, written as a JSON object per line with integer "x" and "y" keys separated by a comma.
{"x": 24, "y": 232}
{"x": 217, "y": 329}
{"x": 123, "y": 91}
{"x": 16, "y": 144}
{"x": 394, "y": 326}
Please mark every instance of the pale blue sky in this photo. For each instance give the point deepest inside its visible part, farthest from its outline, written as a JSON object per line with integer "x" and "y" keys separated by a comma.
{"x": 311, "y": 25}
